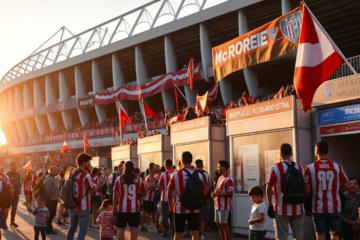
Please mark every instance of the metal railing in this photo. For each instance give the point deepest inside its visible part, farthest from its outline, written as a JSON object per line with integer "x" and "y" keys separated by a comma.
{"x": 113, "y": 30}
{"x": 344, "y": 70}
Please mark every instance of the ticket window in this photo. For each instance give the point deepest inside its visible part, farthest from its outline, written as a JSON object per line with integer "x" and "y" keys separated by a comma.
{"x": 146, "y": 159}
{"x": 253, "y": 155}
{"x": 198, "y": 151}
{"x": 344, "y": 150}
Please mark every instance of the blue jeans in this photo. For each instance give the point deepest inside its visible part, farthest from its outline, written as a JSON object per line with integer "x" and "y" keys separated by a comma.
{"x": 257, "y": 234}
{"x": 165, "y": 214}
{"x": 80, "y": 217}
{"x": 41, "y": 230}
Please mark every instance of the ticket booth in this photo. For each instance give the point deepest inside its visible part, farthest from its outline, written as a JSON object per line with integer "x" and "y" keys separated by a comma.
{"x": 337, "y": 120}
{"x": 153, "y": 149}
{"x": 95, "y": 162}
{"x": 256, "y": 133}
{"x": 202, "y": 140}
{"x": 124, "y": 153}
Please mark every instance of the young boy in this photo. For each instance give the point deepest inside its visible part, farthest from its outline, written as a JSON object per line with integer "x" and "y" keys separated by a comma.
{"x": 257, "y": 215}
{"x": 41, "y": 215}
{"x": 106, "y": 220}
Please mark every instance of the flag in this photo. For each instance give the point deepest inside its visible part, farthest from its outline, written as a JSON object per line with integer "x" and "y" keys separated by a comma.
{"x": 139, "y": 131}
{"x": 280, "y": 93}
{"x": 123, "y": 117}
{"x": 114, "y": 133}
{"x": 287, "y": 91}
{"x": 86, "y": 143}
{"x": 148, "y": 112}
{"x": 190, "y": 73}
{"x": 166, "y": 117}
{"x": 224, "y": 112}
{"x": 201, "y": 101}
{"x": 207, "y": 98}
{"x": 27, "y": 166}
{"x": 64, "y": 147}
{"x": 316, "y": 60}
{"x": 176, "y": 99}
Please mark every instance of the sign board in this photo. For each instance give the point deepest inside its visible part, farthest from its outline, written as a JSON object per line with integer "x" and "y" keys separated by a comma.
{"x": 262, "y": 116}
{"x": 150, "y": 144}
{"x": 338, "y": 90}
{"x": 340, "y": 129}
{"x": 190, "y": 131}
{"x": 122, "y": 152}
{"x": 339, "y": 114}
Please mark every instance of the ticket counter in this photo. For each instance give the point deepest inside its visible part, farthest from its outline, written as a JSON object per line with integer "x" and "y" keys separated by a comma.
{"x": 256, "y": 133}
{"x": 124, "y": 153}
{"x": 153, "y": 149}
{"x": 337, "y": 120}
{"x": 201, "y": 139}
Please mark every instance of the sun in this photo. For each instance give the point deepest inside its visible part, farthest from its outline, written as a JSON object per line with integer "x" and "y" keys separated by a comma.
{"x": 2, "y": 138}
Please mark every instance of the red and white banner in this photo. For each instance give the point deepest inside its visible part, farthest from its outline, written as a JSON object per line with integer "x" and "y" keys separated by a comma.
{"x": 208, "y": 97}
{"x": 180, "y": 78}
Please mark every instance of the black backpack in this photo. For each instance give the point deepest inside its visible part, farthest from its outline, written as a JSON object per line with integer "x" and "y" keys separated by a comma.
{"x": 193, "y": 191}
{"x": 5, "y": 197}
{"x": 293, "y": 185}
{"x": 208, "y": 195}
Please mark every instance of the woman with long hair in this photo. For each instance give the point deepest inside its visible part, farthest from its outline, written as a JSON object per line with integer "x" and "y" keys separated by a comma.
{"x": 28, "y": 190}
{"x": 95, "y": 198}
{"x": 127, "y": 189}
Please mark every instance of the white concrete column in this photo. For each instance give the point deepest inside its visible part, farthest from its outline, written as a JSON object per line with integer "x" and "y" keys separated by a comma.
{"x": 118, "y": 80}
{"x": 39, "y": 100}
{"x": 20, "y": 124}
{"x": 226, "y": 91}
{"x": 64, "y": 92}
{"x": 51, "y": 98}
{"x": 168, "y": 95}
{"x": 29, "y": 103}
{"x": 11, "y": 102}
{"x": 191, "y": 94}
{"x": 141, "y": 70}
{"x": 98, "y": 86}
{"x": 285, "y": 6}
{"x": 250, "y": 75}
{"x": 206, "y": 52}
{"x": 6, "y": 129}
{"x": 7, "y": 132}
{"x": 80, "y": 89}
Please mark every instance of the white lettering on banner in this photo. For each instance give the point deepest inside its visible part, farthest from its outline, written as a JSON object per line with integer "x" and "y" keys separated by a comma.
{"x": 247, "y": 44}
{"x": 268, "y": 108}
{"x": 190, "y": 125}
{"x": 353, "y": 110}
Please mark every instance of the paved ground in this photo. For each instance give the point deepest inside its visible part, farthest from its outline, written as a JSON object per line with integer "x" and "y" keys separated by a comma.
{"x": 25, "y": 231}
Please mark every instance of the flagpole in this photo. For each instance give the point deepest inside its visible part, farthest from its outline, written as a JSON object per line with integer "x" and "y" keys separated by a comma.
{"x": 120, "y": 124}
{"x": 143, "y": 110}
{"x": 182, "y": 94}
{"x": 331, "y": 41}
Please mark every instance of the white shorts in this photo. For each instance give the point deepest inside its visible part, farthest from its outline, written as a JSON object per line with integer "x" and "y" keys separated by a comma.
{"x": 221, "y": 216}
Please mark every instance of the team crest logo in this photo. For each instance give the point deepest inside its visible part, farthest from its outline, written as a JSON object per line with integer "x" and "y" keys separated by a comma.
{"x": 272, "y": 33}
{"x": 327, "y": 90}
{"x": 290, "y": 26}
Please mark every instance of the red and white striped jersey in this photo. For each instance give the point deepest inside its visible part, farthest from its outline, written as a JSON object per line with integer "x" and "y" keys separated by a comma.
{"x": 149, "y": 182}
{"x": 103, "y": 178}
{"x": 95, "y": 181}
{"x": 82, "y": 182}
{"x": 129, "y": 199}
{"x": 177, "y": 183}
{"x": 58, "y": 179}
{"x": 325, "y": 178}
{"x": 28, "y": 186}
{"x": 4, "y": 181}
{"x": 164, "y": 180}
{"x": 225, "y": 184}
{"x": 275, "y": 177}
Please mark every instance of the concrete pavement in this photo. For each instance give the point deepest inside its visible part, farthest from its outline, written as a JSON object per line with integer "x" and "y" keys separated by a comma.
{"x": 25, "y": 231}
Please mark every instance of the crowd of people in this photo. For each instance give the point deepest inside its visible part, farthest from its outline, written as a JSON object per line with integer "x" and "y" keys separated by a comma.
{"x": 180, "y": 199}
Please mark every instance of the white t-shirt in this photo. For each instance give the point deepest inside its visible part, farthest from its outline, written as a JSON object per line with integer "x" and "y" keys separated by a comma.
{"x": 255, "y": 213}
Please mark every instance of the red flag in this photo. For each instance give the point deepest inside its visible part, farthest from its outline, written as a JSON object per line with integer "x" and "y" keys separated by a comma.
{"x": 64, "y": 147}
{"x": 166, "y": 117}
{"x": 176, "y": 99}
{"x": 190, "y": 72}
{"x": 201, "y": 101}
{"x": 114, "y": 133}
{"x": 181, "y": 117}
{"x": 138, "y": 130}
{"x": 123, "y": 117}
{"x": 224, "y": 112}
{"x": 28, "y": 166}
{"x": 316, "y": 60}
{"x": 280, "y": 93}
{"x": 148, "y": 112}
{"x": 86, "y": 143}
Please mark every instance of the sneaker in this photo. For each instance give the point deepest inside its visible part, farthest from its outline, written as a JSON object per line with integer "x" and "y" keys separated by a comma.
{"x": 13, "y": 224}
{"x": 143, "y": 229}
{"x": 202, "y": 237}
{"x": 206, "y": 234}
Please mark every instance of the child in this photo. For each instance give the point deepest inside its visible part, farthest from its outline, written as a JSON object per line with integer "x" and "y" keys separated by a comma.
{"x": 257, "y": 216}
{"x": 41, "y": 215}
{"x": 106, "y": 220}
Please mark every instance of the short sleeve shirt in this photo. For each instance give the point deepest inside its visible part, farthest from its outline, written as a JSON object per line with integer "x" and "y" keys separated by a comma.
{"x": 225, "y": 184}
{"x": 81, "y": 186}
